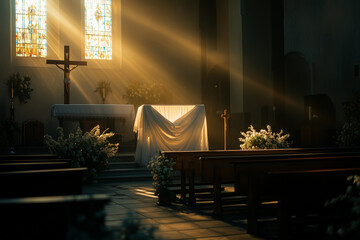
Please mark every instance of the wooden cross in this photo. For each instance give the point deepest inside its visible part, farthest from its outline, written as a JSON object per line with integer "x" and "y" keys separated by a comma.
{"x": 225, "y": 116}
{"x": 67, "y": 63}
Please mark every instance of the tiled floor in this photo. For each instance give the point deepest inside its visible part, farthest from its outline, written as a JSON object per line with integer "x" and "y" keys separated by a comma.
{"x": 172, "y": 222}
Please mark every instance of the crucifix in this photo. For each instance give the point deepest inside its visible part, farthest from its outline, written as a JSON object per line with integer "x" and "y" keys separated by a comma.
{"x": 225, "y": 116}
{"x": 66, "y": 68}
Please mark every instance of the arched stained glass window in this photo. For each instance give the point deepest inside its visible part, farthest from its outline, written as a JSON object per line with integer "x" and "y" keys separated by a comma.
{"x": 31, "y": 28}
{"x": 98, "y": 29}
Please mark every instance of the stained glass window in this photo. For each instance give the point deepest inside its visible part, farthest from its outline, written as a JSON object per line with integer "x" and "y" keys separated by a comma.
{"x": 31, "y": 28}
{"x": 98, "y": 29}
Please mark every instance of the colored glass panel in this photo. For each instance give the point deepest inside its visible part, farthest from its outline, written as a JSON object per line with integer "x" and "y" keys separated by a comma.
{"x": 98, "y": 29}
{"x": 31, "y": 28}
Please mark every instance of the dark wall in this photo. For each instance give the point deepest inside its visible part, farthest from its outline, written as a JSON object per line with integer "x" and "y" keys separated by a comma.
{"x": 258, "y": 86}
{"x": 327, "y": 35}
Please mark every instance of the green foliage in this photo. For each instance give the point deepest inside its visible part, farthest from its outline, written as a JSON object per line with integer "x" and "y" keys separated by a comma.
{"x": 90, "y": 149}
{"x": 265, "y": 139}
{"x": 133, "y": 229}
{"x": 144, "y": 93}
{"x": 162, "y": 169}
{"x": 21, "y": 85}
{"x": 352, "y": 108}
{"x": 346, "y": 210}
{"x": 91, "y": 227}
{"x": 349, "y": 135}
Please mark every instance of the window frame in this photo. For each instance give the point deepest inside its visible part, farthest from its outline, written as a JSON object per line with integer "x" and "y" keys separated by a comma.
{"x": 116, "y": 61}
{"x": 54, "y": 46}
{"x": 51, "y": 24}
{"x": 40, "y": 29}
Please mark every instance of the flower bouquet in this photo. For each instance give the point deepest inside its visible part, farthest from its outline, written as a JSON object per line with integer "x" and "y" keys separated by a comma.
{"x": 265, "y": 139}
{"x": 89, "y": 149}
{"x": 162, "y": 169}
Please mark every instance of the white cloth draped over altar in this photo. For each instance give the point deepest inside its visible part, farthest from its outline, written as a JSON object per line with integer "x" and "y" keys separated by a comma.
{"x": 169, "y": 127}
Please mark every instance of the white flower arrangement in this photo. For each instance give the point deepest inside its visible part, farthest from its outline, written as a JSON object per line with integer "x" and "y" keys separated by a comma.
{"x": 90, "y": 149}
{"x": 162, "y": 169}
{"x": 144, "y": 93}
{"x": 265, "y": 139}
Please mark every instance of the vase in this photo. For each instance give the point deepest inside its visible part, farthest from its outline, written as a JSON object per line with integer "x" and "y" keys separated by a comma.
{"x": 164, "y": 200}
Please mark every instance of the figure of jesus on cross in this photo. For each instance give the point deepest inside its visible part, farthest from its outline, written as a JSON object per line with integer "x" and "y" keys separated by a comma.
{"x": 67, "y": 63}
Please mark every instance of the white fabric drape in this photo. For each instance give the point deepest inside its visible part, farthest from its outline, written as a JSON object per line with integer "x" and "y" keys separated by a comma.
{"x": 169, "y": 127}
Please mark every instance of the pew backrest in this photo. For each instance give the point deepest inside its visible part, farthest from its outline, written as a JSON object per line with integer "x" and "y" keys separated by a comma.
{"x": 268, "y": 162}
{"x": 36, "y": 160}
{"x": 27, "y": 156}
{"x": 21, "y": 166}
{"x": 188, "y": 160}
{"x": 51, "y": 217}
{"x": 49, "y": 182}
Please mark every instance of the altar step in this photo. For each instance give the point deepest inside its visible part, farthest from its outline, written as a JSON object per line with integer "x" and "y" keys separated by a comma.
{"x": 123, "y": 167}
{"x": 122, "y": 157}
{"x": 126, "y": 147}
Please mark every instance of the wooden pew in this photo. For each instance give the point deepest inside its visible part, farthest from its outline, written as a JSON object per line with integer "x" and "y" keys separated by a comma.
{"x": 51, "y": 217}
{"x": 35, "y": 160}
{"x": 50, "y": 207}
{"x": 187, "y": 162}
{"x": 188, "y": 165}
{"x": 250, "y": 175}
{"x": 22, "y": 166}
{"x": 48, "y": 182}
{"x": 303, "y": 192}
{"x": 27, "y": 156}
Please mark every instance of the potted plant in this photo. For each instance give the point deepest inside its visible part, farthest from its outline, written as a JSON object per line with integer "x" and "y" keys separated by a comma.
{"x": 18, "y": 87}
{"x": 349, "y": 135}
{"x": 162, "y": 169}
{"x": 265, "y": 139}
{"x": 90, "y": 149}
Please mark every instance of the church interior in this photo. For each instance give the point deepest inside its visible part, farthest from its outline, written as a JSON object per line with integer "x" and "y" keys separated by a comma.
{"x": 292, "y": 65}
{"x": 259, "y": 60}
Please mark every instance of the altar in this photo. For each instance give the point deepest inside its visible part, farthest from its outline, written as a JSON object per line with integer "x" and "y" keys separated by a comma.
{"x": 169, "y": 127}
{"x": 119, "y": 118}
